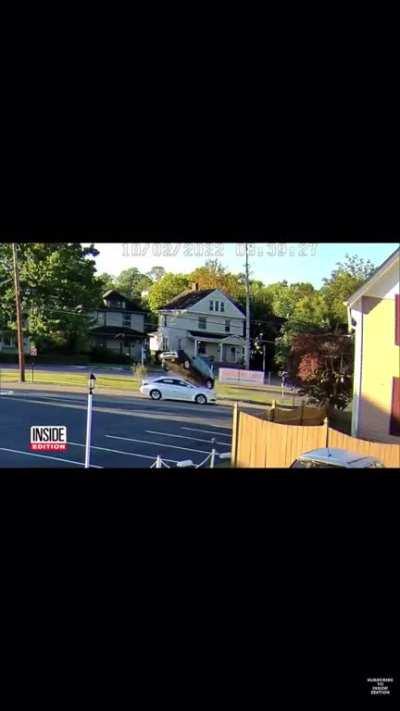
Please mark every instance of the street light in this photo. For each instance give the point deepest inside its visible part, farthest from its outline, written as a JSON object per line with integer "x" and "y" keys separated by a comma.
{"x": 91, "y": 383}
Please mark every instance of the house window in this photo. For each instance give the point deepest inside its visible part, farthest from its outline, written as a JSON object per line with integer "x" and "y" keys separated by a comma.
{"x": 104, "y": 319}
{"x": 211, "y": 306}
{"x": 8, "y": 341}
{"x": 162, "y": 320}
{"x": 222, "y": 306}
{"x": 201, "y": 348}
{"x": 395, "y": 413}
{"x": 227, "y": 326}
{"x": 126, "y": 320}
{"x": 202, "y": 322}
{"x": 397, "y": 320}
{"x": 217, "y": 305}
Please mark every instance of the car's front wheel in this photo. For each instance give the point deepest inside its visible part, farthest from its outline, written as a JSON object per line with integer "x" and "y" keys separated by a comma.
{"x": 155, "y": 395}
{"x": 200, "y": 399}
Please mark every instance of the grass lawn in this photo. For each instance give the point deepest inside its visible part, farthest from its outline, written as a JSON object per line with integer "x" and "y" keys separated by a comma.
{"x": 131, "y": 383}
{"x": 120, "y": 382}
{"x": 252, "y": 394}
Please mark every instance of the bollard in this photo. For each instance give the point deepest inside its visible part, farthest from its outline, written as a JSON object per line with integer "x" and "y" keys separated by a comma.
{"x": 158, "y": 462}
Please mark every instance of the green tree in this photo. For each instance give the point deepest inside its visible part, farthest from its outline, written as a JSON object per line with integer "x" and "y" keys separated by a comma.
{"x": 131, "y": 283}
{"x": 162, "y": 291}
{"x": 55, "y": 280}
{"x": 213, "y": 275}
{"x": 286, "y": 296}
{"x": 156, "y": 273}
{"x": 107, "y": 281}
{"x": 343, "y": 281}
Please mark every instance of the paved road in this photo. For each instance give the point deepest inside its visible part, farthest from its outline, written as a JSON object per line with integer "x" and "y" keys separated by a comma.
{"x": 126, "y": 432}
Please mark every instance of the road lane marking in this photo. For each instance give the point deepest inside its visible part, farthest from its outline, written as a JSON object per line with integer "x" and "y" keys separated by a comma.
{"x": 181, "y": 416}
{"x": 118, "y": 451}
{"x": 158, "y": 444}
{"x": 219, "y": 434}
{"x": 45, "y": 456}
{"x": 197, "y": 439}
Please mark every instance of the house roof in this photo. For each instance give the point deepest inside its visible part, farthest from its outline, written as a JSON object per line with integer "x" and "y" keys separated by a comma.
{"x": 113, "y": 294}
{"x": 113, "y": 331}
{"x": 378, "y": 273}
{"x": 190, "y": 297}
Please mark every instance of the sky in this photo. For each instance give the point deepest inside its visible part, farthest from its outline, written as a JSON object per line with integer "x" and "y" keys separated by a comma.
{"x": 269, "y": 262}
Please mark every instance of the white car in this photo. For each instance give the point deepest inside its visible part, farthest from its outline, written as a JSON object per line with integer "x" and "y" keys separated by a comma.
{"x": 176, "y": 389}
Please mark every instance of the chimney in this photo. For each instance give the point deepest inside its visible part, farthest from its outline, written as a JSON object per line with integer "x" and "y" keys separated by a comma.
{"x": 195, "y": 286}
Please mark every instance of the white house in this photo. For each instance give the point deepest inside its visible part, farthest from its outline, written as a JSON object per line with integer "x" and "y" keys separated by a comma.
{"x": 8, "y": 342}
{"x": 118, "y": 325}
{"x": 204, "y": 322}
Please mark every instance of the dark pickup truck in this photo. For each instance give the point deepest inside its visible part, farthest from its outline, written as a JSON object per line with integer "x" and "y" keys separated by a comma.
{"x": 192, "y": 368}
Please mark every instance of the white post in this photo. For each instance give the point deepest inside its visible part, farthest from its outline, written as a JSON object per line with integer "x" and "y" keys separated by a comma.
{"x": 142, "y": 353}
{"x": 195, "y": 346}
{"x": 213, "y": 453}
{"x": 88, "y": 431}
{"x": 221, "y": 345}
{"x": 158, "y": 462}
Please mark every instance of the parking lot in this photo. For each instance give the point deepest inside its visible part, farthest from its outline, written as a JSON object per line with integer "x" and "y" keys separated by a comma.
{"x": 127, "y": 432}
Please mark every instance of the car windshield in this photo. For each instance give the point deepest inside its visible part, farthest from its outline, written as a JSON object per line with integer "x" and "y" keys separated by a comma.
{"x": 309, "y": 464}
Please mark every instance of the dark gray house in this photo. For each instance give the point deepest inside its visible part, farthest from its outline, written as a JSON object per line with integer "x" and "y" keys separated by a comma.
{"x": 119, "y": 325}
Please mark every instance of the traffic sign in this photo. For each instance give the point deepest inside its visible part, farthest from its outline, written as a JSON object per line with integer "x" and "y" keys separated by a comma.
{"x": 33, "y": 351}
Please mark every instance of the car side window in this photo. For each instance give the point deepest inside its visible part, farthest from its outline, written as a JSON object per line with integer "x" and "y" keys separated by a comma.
{"x": 181, "y": 383}
{"x": 168, "y": 381}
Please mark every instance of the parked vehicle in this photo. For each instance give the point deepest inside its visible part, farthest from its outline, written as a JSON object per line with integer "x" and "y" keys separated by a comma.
{"x": 334, "y": 458}
{"x": 167, "y": 388}
{"x": 191, "y": 368}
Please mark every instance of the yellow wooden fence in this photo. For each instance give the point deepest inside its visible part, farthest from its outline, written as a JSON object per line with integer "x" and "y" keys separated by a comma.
{"x": 257, "y": 442}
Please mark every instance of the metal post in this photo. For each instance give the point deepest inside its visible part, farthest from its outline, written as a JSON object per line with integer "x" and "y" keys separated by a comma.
{"x": 92, "y": 380}
{"x": 142, "y": 354}
{"x": 158, "y": 462}
{"x": 88, "y": 430}
{"x": 264, "y": 354}
{"x": 213, "y": 453}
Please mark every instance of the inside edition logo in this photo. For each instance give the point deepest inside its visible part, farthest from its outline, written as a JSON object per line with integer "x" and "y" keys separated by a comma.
{"x": 48, "y": 438}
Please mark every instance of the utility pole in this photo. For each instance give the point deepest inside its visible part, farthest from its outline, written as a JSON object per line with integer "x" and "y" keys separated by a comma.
{"x": 247, "y": 348}
{"x": 20, "y": 335}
